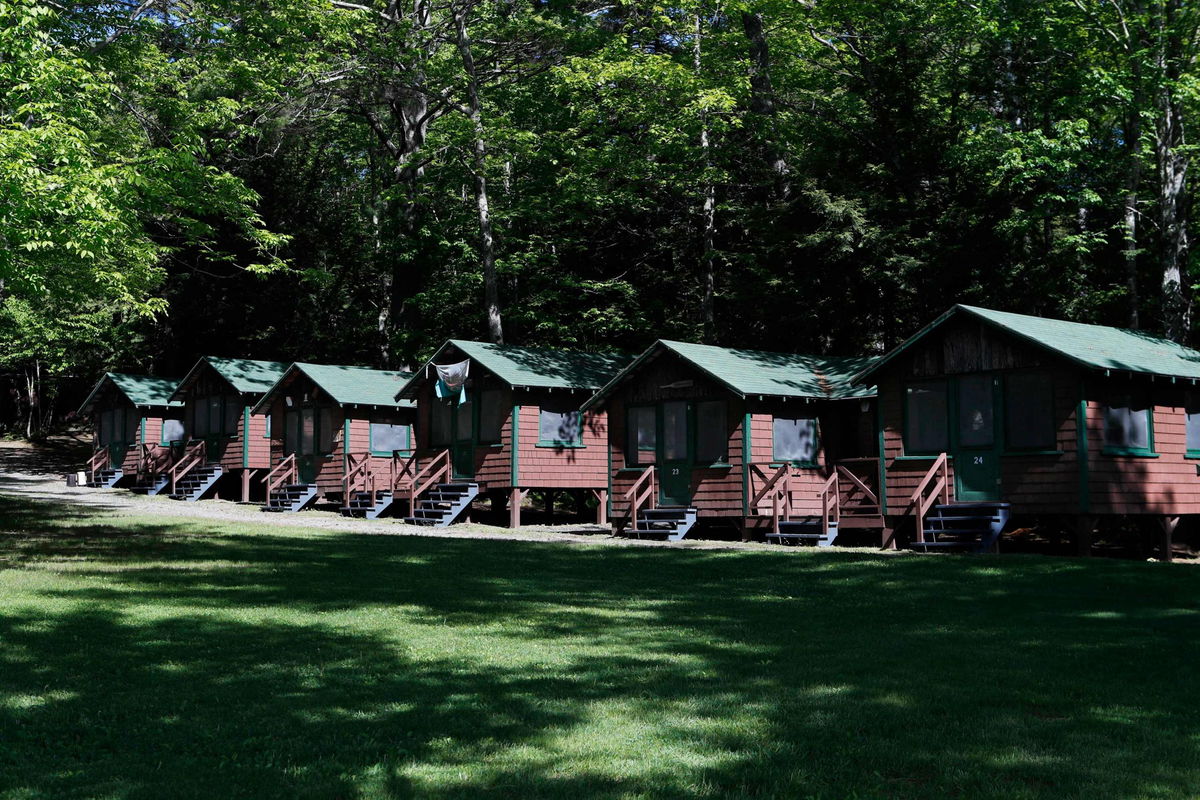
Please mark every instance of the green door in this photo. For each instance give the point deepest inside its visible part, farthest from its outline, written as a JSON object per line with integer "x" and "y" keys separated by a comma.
{"x": 299, "y": 437}
{"x": 462, "y": 450}
{"x": 976, "y": 440}
{"x": 675, "y": 456}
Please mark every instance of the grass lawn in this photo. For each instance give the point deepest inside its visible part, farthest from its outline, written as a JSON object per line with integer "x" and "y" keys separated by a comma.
{"x": 142, "y": 658}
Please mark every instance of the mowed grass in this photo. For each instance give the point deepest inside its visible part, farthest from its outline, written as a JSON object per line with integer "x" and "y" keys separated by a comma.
{"x": 143, "y": 658}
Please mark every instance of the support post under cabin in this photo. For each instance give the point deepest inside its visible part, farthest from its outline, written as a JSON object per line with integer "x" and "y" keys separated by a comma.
{"x": 514, "y": 507}
{"x": 1168, "y": 524}
{"x": 247, "y": 474}
{"x": 602, "y": 507}
{"x": 887, "y": 538}
{"x": 1085, "y": 529}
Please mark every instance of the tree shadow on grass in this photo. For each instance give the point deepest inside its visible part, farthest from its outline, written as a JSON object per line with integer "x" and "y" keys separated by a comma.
{"x": 172, "y": 662}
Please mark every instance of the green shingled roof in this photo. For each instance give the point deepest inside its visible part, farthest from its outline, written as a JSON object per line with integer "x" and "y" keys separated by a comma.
{"x": 539, "y": 367}
{"x": 245, "y": 375}
{"x": 359, "y": 386}
{"x": 1091, "y": 346}
{"x": 759, "y": 373}
{"x": 141, "y": 390}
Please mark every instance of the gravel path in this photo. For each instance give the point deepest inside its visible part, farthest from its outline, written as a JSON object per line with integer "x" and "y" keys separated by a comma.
{"x": 37, "y": 472}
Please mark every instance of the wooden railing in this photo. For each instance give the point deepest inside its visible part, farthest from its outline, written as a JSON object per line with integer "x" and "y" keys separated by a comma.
{"x": 643, "y": 491}
{"x": 778, "y": 487}
{"x": 153, "y": 460}
{"x": 858, "y": 498}
{"x": 101, "y": 458}
{"x": 357, "y": 477}
{"x": 831, "y": 503}
{"x": 284, "y": 473}
{"x": 195, "y": 455}
{"x": 436, "y": 471}
{"x": 402, "y": 471}
{"x": 934, "y": 487}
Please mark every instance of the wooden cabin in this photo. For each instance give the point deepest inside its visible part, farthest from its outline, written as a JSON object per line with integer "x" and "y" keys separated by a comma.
{"x": 516, "y": 425}
{"x": 334, "y": 431}
{"x": 224, "y": 439}
{"x": 772, "y": 443}
{"x": 135, "y": 428}
{"x": 1043, "y": 416}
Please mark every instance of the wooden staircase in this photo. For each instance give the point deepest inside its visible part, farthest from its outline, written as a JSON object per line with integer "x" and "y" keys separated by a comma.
{"x": 362, "y": 492}
{"x": 671, "y": 522}
{"x": 101, "y": 474}
{"x": 285, "y": 493}
{"x": 196, "y": 483}
{"x": 290, "y": 498}
{"x": 368, "y": 505}
{"x": 443, "y": 504}
{"x": 969, "y": 527}
{"x": 942, "y": 524}
{"x": 153, "y": 472}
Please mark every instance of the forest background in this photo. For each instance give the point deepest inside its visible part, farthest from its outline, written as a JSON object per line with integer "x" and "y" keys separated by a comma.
{"x": 354, "y": 182}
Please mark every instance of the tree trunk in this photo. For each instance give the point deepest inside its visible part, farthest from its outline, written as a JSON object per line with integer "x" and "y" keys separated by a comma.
{"x": 707, "y": 211}
{"x": 762, "y": 98}
{"x": 1133, "y": 179}
{"x": 1172, "y": 162}
{"x": 487, "y": 252}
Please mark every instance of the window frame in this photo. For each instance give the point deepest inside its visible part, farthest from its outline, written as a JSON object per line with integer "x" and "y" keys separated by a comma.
{"x": 1052, "y": 445}
{"x": 909, "y": 449}
{"x": 481, "y": 435}
{"x": 408, "y": 438}
{"x": 575, "y": 445}
{"x": 162, "y": 432}
{"x": 795, "y": 462}
{"x": 447, "y": 407}
{"x": 723, "y": 460}
{"x": 1191, "y": 399}
{"x": 1132, "y": 396}
{"x": 633, "y": 454}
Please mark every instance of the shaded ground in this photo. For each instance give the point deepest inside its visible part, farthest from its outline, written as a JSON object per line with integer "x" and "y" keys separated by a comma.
{"x": 146, "y": 658}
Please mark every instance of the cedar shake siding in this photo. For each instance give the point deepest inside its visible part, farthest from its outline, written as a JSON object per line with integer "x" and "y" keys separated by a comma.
{"x": 339, "y": 403}
{"x": 670, "y": 373}
{"x": 128, "y": 411}
{"x": 1084, "y": 367}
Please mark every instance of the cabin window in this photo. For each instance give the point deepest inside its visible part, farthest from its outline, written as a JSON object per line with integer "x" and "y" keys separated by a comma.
{"x": 1193, "y": 424}
{"x": 389, "y": 436}
{"x": 233, "y": 415}
{"x": 712, "y": 437}
{"x": 795, "y": 440}
{"x": 291, "y": 432}
{"x": 643, "y": 437}
{"x": 172, "y": 432}
{"x": 108, "y": 426}
{"x": 267, "y": 425}
{"x": 199, "y": 415}
{"x": 1029, "y": 411}
{"x": 560, "y": 425}
{"x": 926, "y": 423}
{"x": 214, "y": 415}
{"x": 491, "y": 415}
{"x": 675, "y": 430}
{"x": 439, "y": 422}
{"x": 306, "y": 431}
{"x": 325, "y": 431}
{"x": 1128, "y": 427}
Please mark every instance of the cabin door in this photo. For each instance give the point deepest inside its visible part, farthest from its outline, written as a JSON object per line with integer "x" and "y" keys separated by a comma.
{"x": 462, "y": 450}
{"x": 675, "y": 438}
{"x": 975, "y": 439}
{"x": 299, "y": 439}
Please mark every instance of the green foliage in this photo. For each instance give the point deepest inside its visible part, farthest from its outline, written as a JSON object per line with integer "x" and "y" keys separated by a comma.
{"x": 868, "y": 164}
